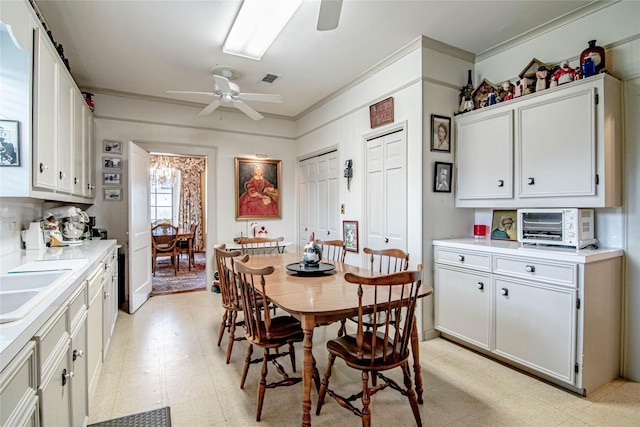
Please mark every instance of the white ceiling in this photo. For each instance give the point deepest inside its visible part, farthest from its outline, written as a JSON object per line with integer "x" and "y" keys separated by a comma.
{"x": 149, "y": 47}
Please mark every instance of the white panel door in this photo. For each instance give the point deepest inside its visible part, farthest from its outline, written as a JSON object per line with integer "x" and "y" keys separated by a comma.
{"x": 386, "y": 192}
{"x": 319, "y": 194}
{"x": 139, "y": 227}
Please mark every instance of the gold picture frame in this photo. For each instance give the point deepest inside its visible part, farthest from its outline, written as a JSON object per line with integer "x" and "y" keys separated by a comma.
{"x": 257, "y": 188}
{"x": 504, "y": 225}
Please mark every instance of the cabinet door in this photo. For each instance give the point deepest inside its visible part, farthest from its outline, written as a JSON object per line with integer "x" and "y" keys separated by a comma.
{"x": 463, "y": 304}
{"x": 88, "y": 165}
{"x": 535, "y": 325}
{"x": 44, "y": 115}
{"x": 79, "y": 382}
{"x": 79, "y": 153}
{"x": 55, "y": 394}
{"x": 557, "y": 140}
{"x": 485, "y": 156}
{"x": 64, "y": 126}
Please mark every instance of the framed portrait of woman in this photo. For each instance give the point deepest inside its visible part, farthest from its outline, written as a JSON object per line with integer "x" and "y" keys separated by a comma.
{"x": 257, "y": 186}
{"x": 440, "y": 133}
{"x": 504, "y": 226}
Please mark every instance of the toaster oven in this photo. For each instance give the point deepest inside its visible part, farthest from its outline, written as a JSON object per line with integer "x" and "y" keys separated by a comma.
{"x": 561, "y": 227}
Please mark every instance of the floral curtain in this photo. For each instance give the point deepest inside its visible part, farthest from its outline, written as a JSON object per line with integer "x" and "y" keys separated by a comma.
{"x": 192, "y": 173}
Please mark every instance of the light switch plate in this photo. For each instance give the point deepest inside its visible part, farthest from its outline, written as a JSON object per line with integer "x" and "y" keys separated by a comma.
{"x": 342, "y": 209}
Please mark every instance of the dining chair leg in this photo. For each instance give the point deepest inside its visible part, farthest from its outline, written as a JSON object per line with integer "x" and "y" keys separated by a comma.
{"x": 413, "y": 399}
{"x": 366, "y": 400}
{"x": 292, "y": 356}
{"x": 232, "y": 334}
{"x": 324, "y": 384}
{"x": 343, "y": 328}
{"x": 223, "y": 326}
{"x": 245, "y": 367}
{"x": 263, "y": 383}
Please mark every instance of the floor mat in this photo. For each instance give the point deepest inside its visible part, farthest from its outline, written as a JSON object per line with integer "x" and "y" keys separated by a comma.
{"x": 166, "y": 282}
{"x": 155, "y": 418}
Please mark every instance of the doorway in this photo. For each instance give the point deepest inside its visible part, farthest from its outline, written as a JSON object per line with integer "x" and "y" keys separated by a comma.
{"x": 178, "y": 197}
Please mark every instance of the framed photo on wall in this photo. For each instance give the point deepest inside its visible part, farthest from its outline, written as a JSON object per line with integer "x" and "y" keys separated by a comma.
{"x": 350, "y": 235}
{"x": 112, "y": 194}
{"x": 504, "y": 225}
{"x": 111, "y": 178}
{"x": 112, "y": 162}
{"x": 112, "y": 147}
{"x": 440, "y": 133}
{"x": 442, "y": 177}
{"x": 9, "y": 143}
{"x": 257, "y": 184}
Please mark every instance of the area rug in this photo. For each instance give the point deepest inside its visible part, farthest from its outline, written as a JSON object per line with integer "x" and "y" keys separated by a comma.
{"x": 165, "y": 282}
{"x": 155, "y": 418}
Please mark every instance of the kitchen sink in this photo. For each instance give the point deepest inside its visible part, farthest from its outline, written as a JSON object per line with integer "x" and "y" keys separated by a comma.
{"x": 21, "y": 293}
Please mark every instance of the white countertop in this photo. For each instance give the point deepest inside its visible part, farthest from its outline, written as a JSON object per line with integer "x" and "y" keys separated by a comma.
{"x": 514, "y": 248}
{"x": 14, "y": 335}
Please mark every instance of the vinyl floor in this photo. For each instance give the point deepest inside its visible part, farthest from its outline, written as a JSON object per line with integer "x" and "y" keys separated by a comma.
{"x": 166, "y": 355}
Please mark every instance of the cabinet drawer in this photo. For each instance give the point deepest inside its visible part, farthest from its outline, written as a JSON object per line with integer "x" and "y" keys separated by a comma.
{"x": 469, "y": 259}
{"x": 545, "y": 270}
{"x": 95, "y": 283}
{"x": 49, "y": 338}
{"x": 77, "y": 306}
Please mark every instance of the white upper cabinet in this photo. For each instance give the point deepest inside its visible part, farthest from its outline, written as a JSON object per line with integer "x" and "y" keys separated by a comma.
{"x": 561, "y": 147}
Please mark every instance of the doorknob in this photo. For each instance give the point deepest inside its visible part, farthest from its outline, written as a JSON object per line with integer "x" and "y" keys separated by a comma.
{"x": 386, "y": 240}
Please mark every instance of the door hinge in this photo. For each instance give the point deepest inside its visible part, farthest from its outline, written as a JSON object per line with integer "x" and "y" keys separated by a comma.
{"x": 597, "y": 179}
{"x": 597, "y": 99}
{"x": 577, "y": 368}
{"x": 578, "y": 303}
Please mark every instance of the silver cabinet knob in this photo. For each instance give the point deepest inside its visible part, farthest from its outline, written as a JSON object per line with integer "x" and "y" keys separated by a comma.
{"x": 328, "y": 232}
{"x": 504, "y": 291}
{"x": 530, "y": 268}
{"x": 531, "y": 181}
{"x": 500, "y": 183}
{"x": 77, "y": 353}
{"x": 386, "y": 240}
{"x": 480, "y": 285}
{"x": 66, "y": 376}
{"x": 461, "y": 258}
{"x": 43, "y": 167}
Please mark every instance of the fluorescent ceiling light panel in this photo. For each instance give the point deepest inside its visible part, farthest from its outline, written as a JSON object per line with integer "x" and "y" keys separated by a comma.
{"x": 257, "y": 25}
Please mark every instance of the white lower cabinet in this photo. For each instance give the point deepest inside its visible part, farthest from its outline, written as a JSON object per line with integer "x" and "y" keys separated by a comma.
{"x": 552, "y": 313}
{"x": 18, "y": 398}
{"x": 94, "y": 327}
{"x": 110, "y": 301}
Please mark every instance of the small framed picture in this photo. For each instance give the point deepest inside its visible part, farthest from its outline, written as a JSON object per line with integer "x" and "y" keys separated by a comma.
{"x": 112, "y": 193}
{"x": 9, "y": 143}
{"x": 350, "y": 235}
{"x": 440, "y": 133}
{"x": 442, "y": 177}
{"x": 112, "y": 147}
{"x": 112, "y": 162}
{"x": 112, "y": 178}
{"x": 504, "y": 225}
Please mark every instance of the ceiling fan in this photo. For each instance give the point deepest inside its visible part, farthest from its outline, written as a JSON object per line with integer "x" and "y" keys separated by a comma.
{"x": 329, "y": 15}
{"x": 228, "y": 93}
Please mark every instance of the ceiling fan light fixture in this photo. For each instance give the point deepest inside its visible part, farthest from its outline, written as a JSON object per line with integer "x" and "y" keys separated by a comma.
{"x": 257, "y": 25}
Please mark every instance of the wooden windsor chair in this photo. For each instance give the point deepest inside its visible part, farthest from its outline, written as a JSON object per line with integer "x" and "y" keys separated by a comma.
{"x": 380, "y": 349}
{"x": 264, "y": 331}
{"x": 259, "y": 245}
{"x": 332, "y": 250}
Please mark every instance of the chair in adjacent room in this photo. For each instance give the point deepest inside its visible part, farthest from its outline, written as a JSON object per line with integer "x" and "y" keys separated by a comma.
{"x": 262, "y": 330}
{"x": 185, "y": 246}
{"x": 332, "y": 250}
{"x": 385, "y": 261}
{"x": 260, "y": 245}
{"x": 164, "y": 243}
{"x": 231, "y": 301}
{"x": 377, "y": 350}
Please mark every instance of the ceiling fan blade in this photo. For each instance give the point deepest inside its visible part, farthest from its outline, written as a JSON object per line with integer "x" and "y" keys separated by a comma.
{"x": 210, "y": 108}
{"x": 261, "y": 97}
{"x": 329, "y": 15}
{"x": 247, "y": 110}
{"x": 222, "y": 82}
{"x": 188, "y": 92}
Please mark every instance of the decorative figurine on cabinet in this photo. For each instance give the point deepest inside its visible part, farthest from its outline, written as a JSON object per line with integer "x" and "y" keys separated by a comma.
{"x": 508, "y": 89}
{"x": 541, "y": 78}
{"x": 564, "y": 74}
{"x": 466, "y": 96}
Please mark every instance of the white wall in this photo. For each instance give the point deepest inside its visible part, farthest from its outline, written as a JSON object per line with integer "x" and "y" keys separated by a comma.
{"x": 616, "y": 29}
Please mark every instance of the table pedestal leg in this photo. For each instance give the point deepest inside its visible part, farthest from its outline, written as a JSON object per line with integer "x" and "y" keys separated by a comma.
{"x": 415, "y": 350}
{"x": 308, "y": 324}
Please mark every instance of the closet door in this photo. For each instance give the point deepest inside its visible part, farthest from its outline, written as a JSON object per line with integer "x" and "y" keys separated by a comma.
{"x": 386, "y": 192}
{"x": 319, "y": 195}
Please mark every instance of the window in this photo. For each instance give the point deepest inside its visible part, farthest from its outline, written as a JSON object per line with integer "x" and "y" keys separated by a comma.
{"x": 161, "y": 203}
